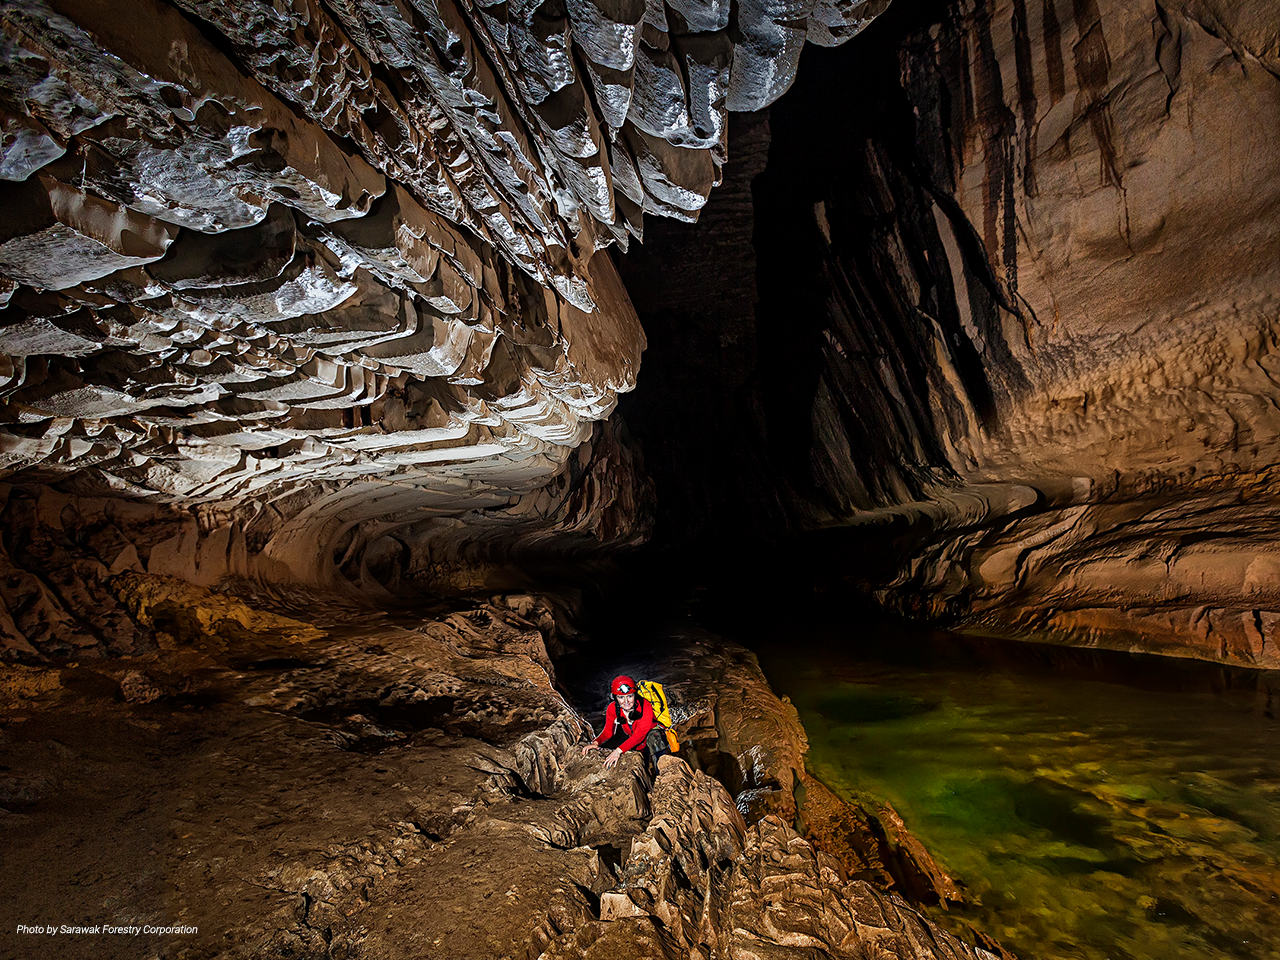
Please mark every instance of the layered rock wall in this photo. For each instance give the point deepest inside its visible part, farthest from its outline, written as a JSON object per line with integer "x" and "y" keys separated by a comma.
{"x": 1041, "y": 294}
{"x": 370, "y": 542}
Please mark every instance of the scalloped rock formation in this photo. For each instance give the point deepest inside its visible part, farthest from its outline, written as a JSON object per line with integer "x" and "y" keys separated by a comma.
{"x": 344, "y": 261}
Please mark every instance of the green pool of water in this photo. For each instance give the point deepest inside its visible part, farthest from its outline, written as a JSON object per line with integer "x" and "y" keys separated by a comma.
{"x": 1093, "y": 805}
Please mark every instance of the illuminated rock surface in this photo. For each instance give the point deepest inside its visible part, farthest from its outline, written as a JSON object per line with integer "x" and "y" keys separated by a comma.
{"x": 1106, "y": 221}
{"x": 354, "y": 786}
{"x": 317, "y": 303}
{"x": 346, "y": 260}
{"x": 1015, "y": 333}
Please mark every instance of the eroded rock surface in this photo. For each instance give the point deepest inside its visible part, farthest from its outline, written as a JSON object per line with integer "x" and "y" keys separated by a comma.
{"x": 1104, "y": 202}
{"x": 735, "y": 729}
{"x": 351, "y": 254}
{"x": 1016, "y": 341}
{"x": 700, "y": 883}
{"x": 348, "y": 785}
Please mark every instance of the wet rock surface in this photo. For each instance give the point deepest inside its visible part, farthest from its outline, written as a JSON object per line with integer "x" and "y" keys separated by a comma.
{"x": 734, "y": 729}
{"x": 353, "y": 785}
{"x": 717, "y": 888}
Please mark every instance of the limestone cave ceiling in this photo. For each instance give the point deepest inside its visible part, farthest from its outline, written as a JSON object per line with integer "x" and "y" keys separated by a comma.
{"x": 350, "y": 255}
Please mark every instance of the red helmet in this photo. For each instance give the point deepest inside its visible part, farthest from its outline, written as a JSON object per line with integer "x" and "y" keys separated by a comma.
{"x": 622, "y": 685}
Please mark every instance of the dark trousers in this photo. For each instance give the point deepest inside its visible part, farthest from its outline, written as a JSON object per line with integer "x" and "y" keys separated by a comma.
{"x": 654, "y": 746}
{"x": 617, "y": 740}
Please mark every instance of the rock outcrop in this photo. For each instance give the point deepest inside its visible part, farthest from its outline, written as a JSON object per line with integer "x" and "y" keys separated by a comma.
{"x": 735, "y": 729}
{"x": 700, "y": 883}
{"x": 346, "y": 785}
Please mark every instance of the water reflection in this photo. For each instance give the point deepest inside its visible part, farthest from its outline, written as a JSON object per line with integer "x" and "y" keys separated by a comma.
{"x": 1095, "y": 805}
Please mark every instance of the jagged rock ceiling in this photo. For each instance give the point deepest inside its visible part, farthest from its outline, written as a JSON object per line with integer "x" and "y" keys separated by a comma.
{"x": 327, "y": 278}
{"x": 352, "y": 248}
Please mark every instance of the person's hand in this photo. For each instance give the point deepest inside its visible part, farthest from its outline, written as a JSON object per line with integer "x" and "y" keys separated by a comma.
{"x": 612, "y": 759}
{"x": 589, "y": 747}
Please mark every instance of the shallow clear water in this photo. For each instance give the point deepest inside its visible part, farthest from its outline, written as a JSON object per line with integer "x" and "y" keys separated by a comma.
{"x": 1093, "y": 805}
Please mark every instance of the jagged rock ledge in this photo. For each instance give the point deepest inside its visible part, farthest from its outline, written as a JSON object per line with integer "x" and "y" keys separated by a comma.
{"x": 352, "y": 786}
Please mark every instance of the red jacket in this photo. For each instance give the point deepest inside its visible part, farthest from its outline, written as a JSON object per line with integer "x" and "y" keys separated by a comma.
{"x": 638, "y": 728}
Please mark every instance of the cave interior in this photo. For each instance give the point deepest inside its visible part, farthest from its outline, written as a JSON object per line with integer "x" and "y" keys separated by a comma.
{"x": 378, "y": 380}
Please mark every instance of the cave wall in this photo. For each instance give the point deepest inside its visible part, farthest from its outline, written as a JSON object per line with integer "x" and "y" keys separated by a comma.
{"x": 1005, "y": 358}
{"x": 1044, "y": 264}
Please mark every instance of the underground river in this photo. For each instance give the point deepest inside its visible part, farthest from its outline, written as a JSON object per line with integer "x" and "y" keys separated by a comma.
{"x": 1093, "y": 805}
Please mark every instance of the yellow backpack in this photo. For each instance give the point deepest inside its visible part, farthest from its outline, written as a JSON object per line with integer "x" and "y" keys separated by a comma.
{"x": 652, "y": 691}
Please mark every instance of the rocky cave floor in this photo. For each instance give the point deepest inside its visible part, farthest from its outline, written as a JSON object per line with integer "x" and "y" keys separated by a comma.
{"x": 365, "y": 785}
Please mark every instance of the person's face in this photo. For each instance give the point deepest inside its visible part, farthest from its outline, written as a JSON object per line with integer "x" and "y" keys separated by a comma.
{"x": 627, "y": 701}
